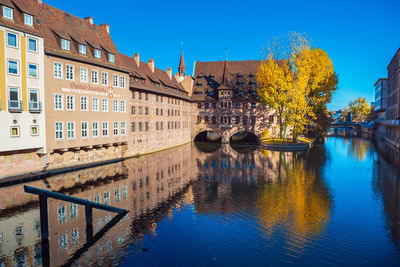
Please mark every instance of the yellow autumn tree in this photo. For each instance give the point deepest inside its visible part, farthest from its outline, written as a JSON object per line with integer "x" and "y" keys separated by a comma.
{"x": 297, "y": 81}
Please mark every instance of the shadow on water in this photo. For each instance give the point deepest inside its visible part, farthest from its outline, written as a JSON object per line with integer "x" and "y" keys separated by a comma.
{"x": 208, "y": 147}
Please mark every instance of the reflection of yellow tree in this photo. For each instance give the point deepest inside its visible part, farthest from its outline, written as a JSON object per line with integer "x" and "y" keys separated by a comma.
{"x": 359, "y": 148}
{"x": 297, "y": 201}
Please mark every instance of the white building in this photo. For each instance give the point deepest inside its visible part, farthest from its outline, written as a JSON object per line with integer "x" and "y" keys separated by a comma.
{"x": 22, "y": 120}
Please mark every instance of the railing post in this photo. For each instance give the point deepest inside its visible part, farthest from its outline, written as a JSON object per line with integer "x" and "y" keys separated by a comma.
{"x": 89, "y": 222}
{"x": 44, "y": 221}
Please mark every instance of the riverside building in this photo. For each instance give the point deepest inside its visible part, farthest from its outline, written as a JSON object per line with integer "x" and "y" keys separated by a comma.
{"x": 22, "y": 91}
{"x": 393, "y": 88}
{"x": 226, "y": 102}
{"x": 381, "y": 97}
{"x": 86, "y": 91}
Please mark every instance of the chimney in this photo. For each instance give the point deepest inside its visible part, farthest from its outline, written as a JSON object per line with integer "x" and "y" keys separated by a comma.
{"x": 169, "y": 72}
{"x": 106, "y": 26}
{"x": 90, "y": 20}
{"x": 136, "y": 58}
{"x": 151, "y": 64}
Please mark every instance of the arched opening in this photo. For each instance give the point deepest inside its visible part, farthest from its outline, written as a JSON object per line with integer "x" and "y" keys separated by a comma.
{"x": 244, "y": 138}
{"x": 208, "y": 141}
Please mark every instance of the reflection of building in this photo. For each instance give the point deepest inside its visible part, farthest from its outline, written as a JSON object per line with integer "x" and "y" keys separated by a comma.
{"x": 381, "y": 97}
{"x": 393, "y": 88}
{"x": 227, "y": 101}
{"x": 23, "y": 129}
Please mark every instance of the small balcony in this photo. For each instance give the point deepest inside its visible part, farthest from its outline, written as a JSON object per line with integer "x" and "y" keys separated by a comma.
{"x": 15, "y": 106}
{"x": 35, "y": 106}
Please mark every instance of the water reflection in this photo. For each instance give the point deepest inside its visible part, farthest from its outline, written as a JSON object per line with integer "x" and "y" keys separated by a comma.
{"x": 237, "y": 204}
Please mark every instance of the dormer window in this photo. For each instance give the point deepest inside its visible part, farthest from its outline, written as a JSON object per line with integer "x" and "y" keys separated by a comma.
{"x": 28, "y": 19}
{"x": 111, "y": 57}
{"x": 7, "y": 12}
{"x": 199, "y": 85}
{"x": 97, "y": 53}
{"x": 82, "y": 49}
{"x": 65, "y": 44}
{"x": 240, "y": 84}
{"x": 212, "y": 77}
{"x": 200, "y": 76}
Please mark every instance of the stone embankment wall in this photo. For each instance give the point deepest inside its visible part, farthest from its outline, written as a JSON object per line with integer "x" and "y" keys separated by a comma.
{"x": 390, "y": 133}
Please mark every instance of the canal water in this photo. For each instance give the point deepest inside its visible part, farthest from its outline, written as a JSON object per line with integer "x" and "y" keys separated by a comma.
{"x": 202, "y": 205}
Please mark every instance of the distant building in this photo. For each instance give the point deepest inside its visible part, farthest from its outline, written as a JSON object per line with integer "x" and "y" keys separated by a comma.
{"x": 381, "y": 97}
{"x": 393, "y": 88}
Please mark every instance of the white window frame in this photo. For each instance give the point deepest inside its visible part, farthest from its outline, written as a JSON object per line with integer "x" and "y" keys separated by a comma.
{"x": 82, "y": 49}
{"x": 11, "y": 10}
{"x": 37, "y": 70}
{"x": 115, "y": 80}
{"x": 95, "y": 76}
{"x": 37, "y": 127}
{"x": 84, "y": 131}
{"x": 16, "y": 39}
{"x": 73, "y": 130}
{"x": 97, "y": 53}
{"x": 84, "y": 103}
{"x": 56, "y": 106}
{"x": 58, "y": 70}
{"x": 115, "y": 129}
{"x": 30, "y": 22}
{"x": 122, "y": 81}
{"x": 70, "y": 104}
{"x": 123, "y": 106}
{"x": 111, "y": 57}
{"x": 95, "y": 130}
{"x": 61, "y": 131}
{"x": 84, "y": 75}
{"x": 8, "y": 67}
{"x": 104, "y": 123}
{"x": 69, "y": 72}
{"x": 123, "y": 128}
{"x": 104, "y": 78}
{"x": 104, "y": 103}
{"x": 18, "y": 131}
{"x": 95, "y": 104}
{"x": 36, "y": 44}
{"x": 115, "y": 105}
{"x": 65, "y": 44}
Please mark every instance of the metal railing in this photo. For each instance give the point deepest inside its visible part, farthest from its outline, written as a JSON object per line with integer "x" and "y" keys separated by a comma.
{"x": 35, "y": 106}
{"x": 14, "y": 105}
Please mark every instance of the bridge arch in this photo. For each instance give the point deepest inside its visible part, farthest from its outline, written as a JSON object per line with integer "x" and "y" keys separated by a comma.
{"x": 208, "y": 136}
{"x": 244, "y": 137}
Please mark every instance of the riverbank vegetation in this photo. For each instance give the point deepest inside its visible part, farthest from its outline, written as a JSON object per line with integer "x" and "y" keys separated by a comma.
{"x": 297, "y": 81}
{"x": 359, "y": 109}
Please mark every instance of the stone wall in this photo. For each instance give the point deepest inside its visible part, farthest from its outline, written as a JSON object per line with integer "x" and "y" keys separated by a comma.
{"x": 20, "y": 162}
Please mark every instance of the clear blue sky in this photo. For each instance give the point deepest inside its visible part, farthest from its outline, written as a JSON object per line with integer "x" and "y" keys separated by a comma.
{"x": 361, "y": 37}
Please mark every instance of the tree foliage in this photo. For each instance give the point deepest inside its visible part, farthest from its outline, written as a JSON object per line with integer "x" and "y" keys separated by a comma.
{"x": 297, "y": 81}
{"x": 359, "y": 109}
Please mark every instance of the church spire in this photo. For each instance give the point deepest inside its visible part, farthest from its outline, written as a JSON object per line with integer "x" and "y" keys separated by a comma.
{"x": 182, "y": 68}
{"x": 226, "y": 70}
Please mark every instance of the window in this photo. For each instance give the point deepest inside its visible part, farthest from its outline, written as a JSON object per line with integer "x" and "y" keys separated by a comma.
{"x": 106, "y": 198}
{"x": 95, "y": 76}
{"x": 115, "y": 128}
{"x": 7, "y": 12}
{"x": 237, "y": 119}
{"x": 104, "y": 104}
{"x": 123, "y": 128}
{"x": 198, "y": 105}
{"x": 111, "y": 58}
{"x": 62, "y": 217}
{"x": 253, "y": 105}
{"x": 146, "y": 126}
{"x": 71, "y": 130}
{"x": 95, "y": 129}
{"x": 58, "y": 102}
{"x": 133, "y": 110}
{"x": 115, "y": 106}
{"x": 122, "y": 81}
{"x": 74, "y": 211}
{"x": 59, "y": 131}
{"x": 105, "y": 128}
{"x": 14, "y": 131}
{"x": 123, "y": 106}
{"x": 34, "y": 130}
{"x": 84, "y": 77}
{"x": 70, "y": 102}
{"x": 115, "y": 80}
{"x": 104, "y": 78}
{"x": 12, "y": 67}
{"x": 95, "y": 104}
{"x": 32, "y": 45}
{"x": 82, "y": 49}
{"x": 33, "y": 70}
{"x": 97, "y": 53}
{"x": 84, "y": 105}
{"x": 146, "y": 111}
{"x": 65, "y": 44}
{"x": 140, "y": 111}
{"x": 132, "y": 127}
{"x": 28, "y": 19}
{"x": 84, "y": 129}
{"x": 12, "y": 39}
{"x": 34, "y": 99}
{"x": 70, "y": 72}
{"x": 57, "y": 70}
{"x": 140, "y": 126}
{"x": 244, "y": 119}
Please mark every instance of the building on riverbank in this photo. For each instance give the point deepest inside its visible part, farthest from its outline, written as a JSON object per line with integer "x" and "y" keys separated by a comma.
{"x": 22, "y": 90}
{"x": 393, "y": 88}
{"x": 87, "y": 91}
{"x": 381, "y": 97}
{"x": 226, "y": 101}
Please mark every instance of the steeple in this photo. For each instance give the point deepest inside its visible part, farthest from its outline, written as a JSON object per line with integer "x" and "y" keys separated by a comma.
{"x": 182, "y": 68}
{"x": 226, "y": 71}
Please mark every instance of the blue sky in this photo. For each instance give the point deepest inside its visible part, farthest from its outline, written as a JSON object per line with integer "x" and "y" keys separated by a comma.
{"x": 361, "y": 37}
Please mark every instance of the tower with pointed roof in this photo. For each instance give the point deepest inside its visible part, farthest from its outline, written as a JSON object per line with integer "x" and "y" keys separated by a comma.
{"x": 182, "y": 68}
